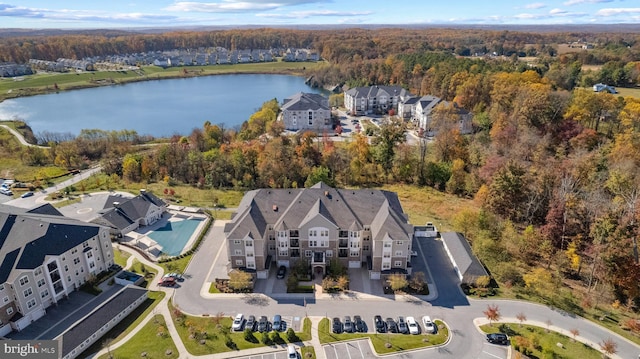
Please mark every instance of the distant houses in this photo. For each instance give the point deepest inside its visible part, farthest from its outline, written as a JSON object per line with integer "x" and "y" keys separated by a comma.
{"x": 11, "y": 69}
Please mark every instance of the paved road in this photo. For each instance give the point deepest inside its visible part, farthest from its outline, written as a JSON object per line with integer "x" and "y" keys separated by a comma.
{"x": 20, "y": 138}
{"x": 451, "y": 305}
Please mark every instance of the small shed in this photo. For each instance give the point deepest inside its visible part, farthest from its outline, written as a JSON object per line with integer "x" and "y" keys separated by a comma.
{"x": 466, "y": 264}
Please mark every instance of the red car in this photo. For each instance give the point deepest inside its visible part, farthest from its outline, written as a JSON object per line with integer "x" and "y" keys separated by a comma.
{"x": 167, "y": 282}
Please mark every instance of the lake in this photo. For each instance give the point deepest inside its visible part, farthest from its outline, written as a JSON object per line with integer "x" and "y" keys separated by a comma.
{"x": 159, "y": 108}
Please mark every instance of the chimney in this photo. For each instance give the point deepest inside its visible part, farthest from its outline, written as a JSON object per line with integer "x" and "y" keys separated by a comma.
{"x": 116, "y": 204}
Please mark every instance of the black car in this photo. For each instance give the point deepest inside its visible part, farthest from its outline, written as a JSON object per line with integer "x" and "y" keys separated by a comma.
{"x": 380, "y": 326}
{"x": 348, "y": 325}
{"x": 391, "y": 325}
{"x": 282, "y": 270}
{"x": 251, "y": 323}
{"x": 358, "y": 324}
{"x": 263, "y": 324}
{"x": 336, "y": 327}
{"x": 402, "y": 326}
{"x": 497, "y": 338}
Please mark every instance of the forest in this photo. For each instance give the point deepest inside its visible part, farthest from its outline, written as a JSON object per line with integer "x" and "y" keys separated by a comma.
{"x": 553, "y": 166}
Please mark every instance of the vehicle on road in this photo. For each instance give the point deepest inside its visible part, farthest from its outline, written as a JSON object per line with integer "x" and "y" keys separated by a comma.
{"x": 348, "y": 325}
{"x": 26, "y": 194}
{"x": 6, "y": 191}
{"x": 282, "y": 270}
{"x": 413, "y": 325}
{"x": 176, "y": 276}
{"x": 167, "y": 282}
{"x": 263, "y": 324}
{"x": 291, "y": 352}
{"x": 392, "y": 327}
{"x": 336, "y": 327}
{"x": 251, "y": 323}
{"x": 277, "y": 323}
{"x": 402, "y": 325}
{"x": 380, "y": 326}
{"x": 414, "y": 253}
{"x": 429, "y": 327}
{"x": 498, "y": 338}
{"x": 237, "y": 322}
{"x": 359, "y": 325}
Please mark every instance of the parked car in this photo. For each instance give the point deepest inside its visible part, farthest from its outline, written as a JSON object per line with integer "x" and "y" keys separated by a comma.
{"x": 402, "y": 325}
{"x": 237, "y": 322}
{"x": 26, "y": 194}
{"x": 277, "y": 323}
{"x": 176, "y": 276}
{"x": 336, "y": 327}
{"x": 359, "y": 325}
{"x": 6, "y": 191}
{"x": 498, "y": 338}
{"x": 263, "y": 324}
{"x": 414, "y": 253}
{"x": 282, "y": 270}
{"x": 167, "y": 282}
{"x": 429, "y": 327}
{"x": 348, "y": 325}
{"x": 291, "y": 352}
{"x": 251, "y": 323}
{"x": 380, "y": 326}
{"x": 392, "y": 327}
{"x": 413, "y": 325}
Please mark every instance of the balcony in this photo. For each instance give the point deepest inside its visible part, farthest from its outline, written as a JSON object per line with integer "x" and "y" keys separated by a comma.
{"x": 294, "y": 243}
{"x": 317, "y": 258}
{"x": 343, "y": 243}
{"x": 343, "y": 253}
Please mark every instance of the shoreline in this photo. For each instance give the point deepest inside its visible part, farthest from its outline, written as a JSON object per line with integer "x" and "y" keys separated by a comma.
{"x": 52, "y": 85}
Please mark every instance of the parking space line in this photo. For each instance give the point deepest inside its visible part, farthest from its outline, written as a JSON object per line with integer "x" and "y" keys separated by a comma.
{"x": 493, "y": 355}
{"x": 360, "y": 348}
{"x": 335, "y": 351}
{"x": 346, "y": 347}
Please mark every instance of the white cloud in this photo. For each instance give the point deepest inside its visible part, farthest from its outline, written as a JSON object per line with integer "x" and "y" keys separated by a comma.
{"x": 557, "y": 11}
{"x": 234, "y": 6}
{"x": 618, "y": 11}
{"x": 7, "y": 10}
{"x": 537, "y": 5}
{"x": 577, "y": 2}
{"x": 312, "y": 13}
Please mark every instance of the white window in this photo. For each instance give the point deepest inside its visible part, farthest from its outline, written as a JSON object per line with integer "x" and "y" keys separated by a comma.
{"x": 354, "y": 253}
{"x": 251, "y": 265}
{"x": 5, "y": 299}
{"x": 386, "y": 265}
{"x": 76, "y": 260}
{"x": 66, "y": 268}
{"x": 387, "y": 244}
{"x": 397, "y": 264}
{"x": 307, "y": 253}
{"x": 239, "y": 262}
{"x": 398, "y": 253}
{"x": 24, "y": 280}
{"x": 399, "y": 243}
{"x": 9, "y": 310}
{"x": 249, "y": 254}
{"x": 31, "y": 303}
{"x": 89, "y": 255}
{"x": 68, "y": 278}
{"x": 91, "y": 265}
{"x": 236, "y": 241}
{"x": 41, "y": 282}
{"x": 329, "y": 253}
{"x": 248, "y": 243}
{"x": 27, "y": 292}
{"x": 238, "y": 252}
{"x": 1, "y": 287}
{"x": 386, "y": 255}
{"x": 283, "y": 253}
{"x": 44, "y": 293}
{"x": 313, "y": 243}
{"x": 38, "y": 271}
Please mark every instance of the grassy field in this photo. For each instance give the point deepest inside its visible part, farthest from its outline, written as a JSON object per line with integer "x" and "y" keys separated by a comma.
{"x": 628, "y": 92}
{"x": 399, "y": 342}
{"x": 47, "y": 82}
{"x": 542, "y": 343}
{"x": 308, "y": 353}
{"x": 190, "y": 329}
{"x": 120, "y": 257}
{"x": 129, "y": 323}
{"x": 153, "y": 339}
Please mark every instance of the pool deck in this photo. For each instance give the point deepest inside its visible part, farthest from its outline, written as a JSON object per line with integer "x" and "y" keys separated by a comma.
{"x": 141, "y": 233}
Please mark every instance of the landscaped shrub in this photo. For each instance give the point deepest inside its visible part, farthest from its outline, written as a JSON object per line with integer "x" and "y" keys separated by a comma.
{"x": 276, "y": 338}
{"x": 266, "y": 339}
{"x": 230, "y": 343}
{"x": 248, "y": 336}
{"x": 291, "y": 336}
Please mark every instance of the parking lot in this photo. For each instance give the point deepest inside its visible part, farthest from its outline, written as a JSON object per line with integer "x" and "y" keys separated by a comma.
{"x": 277, "y": 355}
{"x": 358, "y": 349}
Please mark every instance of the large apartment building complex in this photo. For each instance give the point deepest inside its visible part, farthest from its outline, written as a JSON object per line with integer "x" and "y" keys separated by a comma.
{"x": 356, "y": 227}
{"x": 45, "y": 256}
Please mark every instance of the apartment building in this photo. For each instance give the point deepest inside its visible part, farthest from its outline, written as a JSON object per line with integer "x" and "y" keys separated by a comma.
{"x": 359, "y": 228}
{"x": 45, "y": 257}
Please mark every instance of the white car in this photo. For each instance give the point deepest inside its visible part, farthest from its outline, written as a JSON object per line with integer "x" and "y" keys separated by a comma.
{"x": 413, "y": 326}
{"x": 238, "y": 321}
{"x": 414, "y": 253}
{"x": 429, "y": 327}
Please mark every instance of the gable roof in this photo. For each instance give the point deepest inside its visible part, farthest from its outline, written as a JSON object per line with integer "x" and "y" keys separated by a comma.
{"x": 459, "y": 248}
{"x": 46, "y": 208}
{"x": 116, "y": 218}
{"x": 428, "y": 102}
{"x": 129, "y": 209}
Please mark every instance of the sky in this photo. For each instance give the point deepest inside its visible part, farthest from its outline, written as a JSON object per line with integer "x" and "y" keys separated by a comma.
{"x": 68, "y": 14}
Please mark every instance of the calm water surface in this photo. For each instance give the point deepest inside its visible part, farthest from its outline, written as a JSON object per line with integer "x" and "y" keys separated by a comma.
{"x": 158, "y": 108}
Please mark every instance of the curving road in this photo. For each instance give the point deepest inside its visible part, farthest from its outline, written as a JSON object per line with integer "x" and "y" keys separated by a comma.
{"x": 451, "y": 305}
{"x": 20, "y": 138}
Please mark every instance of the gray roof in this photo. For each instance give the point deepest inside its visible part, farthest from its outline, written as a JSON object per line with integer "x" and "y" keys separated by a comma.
{"x": 377, "y": 91}
{"x": 115, "y": 217}
{"x": 428, "y": 102}
{"x": 27, "y": 238}
{"x": 467, "y": 263}
{"x": 90, "y": 324}
{"x": 133, "y": 209}
{"x": 305, "y": 101}
{"x": 342, "y": 208}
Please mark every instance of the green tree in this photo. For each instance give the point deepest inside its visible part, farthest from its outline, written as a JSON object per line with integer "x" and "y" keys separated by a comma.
{"x": 319, "y": 174}
{"x": 390, "y": 134}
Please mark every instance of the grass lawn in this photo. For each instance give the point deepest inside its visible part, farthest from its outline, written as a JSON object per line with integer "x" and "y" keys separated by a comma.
{"x": 527, "y": 336}
{"x": 399, "y": 342}
{"x": 213, "y": 288}
{"x": 178, "y": 265}
{"x": 120, "y": 257}
{"x": 628, "y": 92}
{"x": 425, "y": 204}
{"x": 129, "y": 323}
{"x": 150, "y": 341}
{"x": 308, "y": 353}
{"x": 191, "y": 329}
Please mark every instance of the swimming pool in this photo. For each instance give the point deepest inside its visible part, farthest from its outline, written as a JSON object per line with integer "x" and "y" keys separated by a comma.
{"x": 174, "y": 235}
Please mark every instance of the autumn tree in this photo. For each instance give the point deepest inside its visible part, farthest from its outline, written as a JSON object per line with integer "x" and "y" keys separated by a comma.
{"x": 608, "y": 346}
{"x": 397, "y": 282}
{"x": 492, "y": 313}
{"x": 591, "y": 108}
{"x": 240, "y": 280}
{"x": 391, "y": 132}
